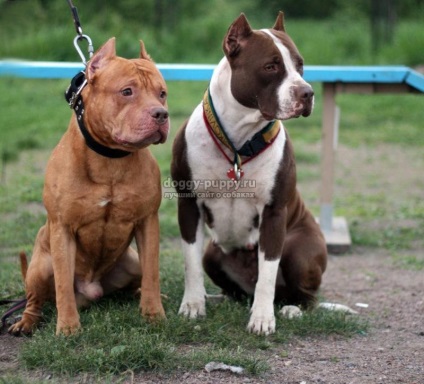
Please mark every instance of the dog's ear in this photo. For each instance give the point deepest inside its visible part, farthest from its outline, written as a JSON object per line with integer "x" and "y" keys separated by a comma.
{"x": 236, "y": 35}
{"x": 279, "y": 23}
{"x": 106, "y": 52}
{"x": 143, "y": 52}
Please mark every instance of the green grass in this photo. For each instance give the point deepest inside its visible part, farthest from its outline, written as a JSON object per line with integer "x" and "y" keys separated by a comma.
{"x": 115, "y": 339}
{"x": 194, "y": 28}
{"x": 172, "y": 345}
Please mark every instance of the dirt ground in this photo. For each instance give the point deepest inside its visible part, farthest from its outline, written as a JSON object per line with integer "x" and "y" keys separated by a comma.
{"x": 391, "y": 352}
{"x": 393, "y": 349}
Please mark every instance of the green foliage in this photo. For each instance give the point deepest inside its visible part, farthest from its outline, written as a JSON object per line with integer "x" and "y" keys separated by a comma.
{"x": 190, "y": 31}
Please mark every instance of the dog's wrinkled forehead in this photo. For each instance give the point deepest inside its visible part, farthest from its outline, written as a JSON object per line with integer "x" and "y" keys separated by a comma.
{"x": 147, "y": 71}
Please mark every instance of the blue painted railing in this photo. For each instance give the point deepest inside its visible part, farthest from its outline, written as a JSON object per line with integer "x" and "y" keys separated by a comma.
{"x": 203, "y": 72}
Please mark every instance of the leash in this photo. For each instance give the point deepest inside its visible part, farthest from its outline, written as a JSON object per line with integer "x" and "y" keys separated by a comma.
{"x": 17, "y": 305}
{"x": 74, "y": 98}
{"x": 79, "y": 81}
{"x": 80, "y": 36}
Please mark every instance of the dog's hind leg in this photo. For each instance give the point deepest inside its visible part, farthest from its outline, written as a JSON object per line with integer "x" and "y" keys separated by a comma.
{"x": 302, "y": 264}
{"x": 242, "y": 264}
{"x": 39, "y": 285}
{"x": 213, "y": 264}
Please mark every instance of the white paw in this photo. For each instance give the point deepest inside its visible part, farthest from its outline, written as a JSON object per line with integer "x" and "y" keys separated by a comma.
{"x": 337, "y": 308}
{"x": 193, "y": 308}
{"x": 261, "y": 325}
{"x": 290, "y": 312}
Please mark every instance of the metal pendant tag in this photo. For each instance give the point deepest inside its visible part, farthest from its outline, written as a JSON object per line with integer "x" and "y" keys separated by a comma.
{"x": 235, "y": 174}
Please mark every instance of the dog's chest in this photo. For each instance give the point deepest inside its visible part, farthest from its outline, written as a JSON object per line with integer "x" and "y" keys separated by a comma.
{"x": 231, "y": 210}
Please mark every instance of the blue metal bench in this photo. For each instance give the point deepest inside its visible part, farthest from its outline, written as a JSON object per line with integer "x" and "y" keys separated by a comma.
{"x": 335, "y": 80}
{"x": 203, "y": 72}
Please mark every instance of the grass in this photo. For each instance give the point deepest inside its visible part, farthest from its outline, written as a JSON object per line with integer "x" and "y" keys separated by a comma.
{"x": 176, "y": 344}
{"x": 115, "y": 339}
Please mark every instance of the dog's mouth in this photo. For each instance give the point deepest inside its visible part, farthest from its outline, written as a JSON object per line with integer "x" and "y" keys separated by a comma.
{"x": 295, "y": 112}
{"x": 290, "y": 112}
{"x": 157, "y": 137}
{"x": 267, "y": 116}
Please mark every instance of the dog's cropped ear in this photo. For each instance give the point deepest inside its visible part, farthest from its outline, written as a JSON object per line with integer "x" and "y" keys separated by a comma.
{"x": 143, "y": 52}
{"x": 236, "y": 35}
{"x": 279, "y": 23}
{"x": 106, "y": 52}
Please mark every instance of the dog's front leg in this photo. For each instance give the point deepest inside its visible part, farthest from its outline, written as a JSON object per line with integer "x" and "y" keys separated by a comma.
{"x": 271, "y": 240}
{"x": 147, "y": 239}
{"x": 192, "y": 233}
{"x": 63, "y": 249}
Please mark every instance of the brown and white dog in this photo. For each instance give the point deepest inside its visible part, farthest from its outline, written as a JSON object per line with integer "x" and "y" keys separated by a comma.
{"x": 265, "y": 243}
{"x": 102, "y": 189}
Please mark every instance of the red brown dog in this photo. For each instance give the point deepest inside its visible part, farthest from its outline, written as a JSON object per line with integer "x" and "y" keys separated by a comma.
{"x": 102, "y": 189}
{"x": 234, "y": 167}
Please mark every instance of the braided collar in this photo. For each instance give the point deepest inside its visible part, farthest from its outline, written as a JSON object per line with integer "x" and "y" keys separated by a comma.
{"x": 251, "y": 148}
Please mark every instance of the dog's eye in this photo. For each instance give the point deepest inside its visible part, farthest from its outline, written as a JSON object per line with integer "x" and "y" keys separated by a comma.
{"x": 127, "y": 92}
{"x": 299, "y": 66}
{"x": 162, "y": 95}
{"x": 270, "y": 67}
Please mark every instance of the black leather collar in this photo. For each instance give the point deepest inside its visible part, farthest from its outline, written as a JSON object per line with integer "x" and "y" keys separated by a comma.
{"x": 74, "y": 99}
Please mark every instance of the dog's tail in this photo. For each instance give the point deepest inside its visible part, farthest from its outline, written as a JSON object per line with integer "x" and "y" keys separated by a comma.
{"x": 24, "y": 264}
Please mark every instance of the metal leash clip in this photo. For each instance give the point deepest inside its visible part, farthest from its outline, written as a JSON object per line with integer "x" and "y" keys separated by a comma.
{"x": 80, "y": 36}
{"x": 77, "y": 47}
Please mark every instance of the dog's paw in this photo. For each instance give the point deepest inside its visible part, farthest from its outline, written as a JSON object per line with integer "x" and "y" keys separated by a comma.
{"x": 22, "y": 327}
{"x": 151, "y": 308}
{"x": 68, "y": 327}
{"x": 193, "y": 308}
{"x": 290, "y": 312}
{"x": 153, "y": 314}
{"x": 261, "y": 325}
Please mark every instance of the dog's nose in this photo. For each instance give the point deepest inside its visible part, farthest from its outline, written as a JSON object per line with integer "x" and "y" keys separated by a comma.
{"x": 159, "y": 114}
{"x": 304, "y": 92}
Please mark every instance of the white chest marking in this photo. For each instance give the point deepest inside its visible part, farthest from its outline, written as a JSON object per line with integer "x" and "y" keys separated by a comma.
{"x": 232, "y": 215}
{"x": 104, "y": 202}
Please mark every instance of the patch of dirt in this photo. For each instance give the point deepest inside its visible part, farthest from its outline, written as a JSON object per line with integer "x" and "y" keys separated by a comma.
{"x": 392, "y": 351}
{"x": 9, "y": 347}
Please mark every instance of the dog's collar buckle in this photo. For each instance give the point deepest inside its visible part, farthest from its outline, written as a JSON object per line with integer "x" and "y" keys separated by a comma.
{"x": 73, "y": 92}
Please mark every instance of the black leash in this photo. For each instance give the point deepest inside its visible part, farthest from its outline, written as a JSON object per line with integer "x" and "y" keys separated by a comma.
{"x": 80, "y": 36}
{"x": 74, "y": 98}
{"x": 17, "y": 305}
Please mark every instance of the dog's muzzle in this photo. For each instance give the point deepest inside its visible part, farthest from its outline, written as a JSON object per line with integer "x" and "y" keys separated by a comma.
{"x": 304, "y": 95}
